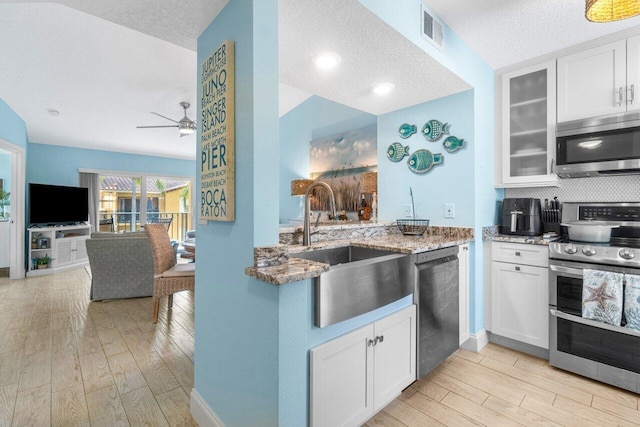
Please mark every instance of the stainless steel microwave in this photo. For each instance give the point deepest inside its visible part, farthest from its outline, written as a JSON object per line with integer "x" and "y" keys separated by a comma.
{"x": 599, "y": 146}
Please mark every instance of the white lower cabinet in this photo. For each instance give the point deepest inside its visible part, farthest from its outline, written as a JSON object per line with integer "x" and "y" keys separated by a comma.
{"x": 520, "y": 302}
{"x": 71, "y": 251}
{"x": 357, "y": 374}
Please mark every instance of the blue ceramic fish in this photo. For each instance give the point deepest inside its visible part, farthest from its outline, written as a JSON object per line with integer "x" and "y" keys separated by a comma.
{"x": 396, "y": 152}
{"x": 452, "y": 144}
{"x": 406, "y": 130}
{"x": 423, "y": 160}
{"x": 433, "y": 130}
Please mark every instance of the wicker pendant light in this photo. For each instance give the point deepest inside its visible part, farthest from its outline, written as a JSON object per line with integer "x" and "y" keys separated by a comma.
{"x": 611, "y": 10}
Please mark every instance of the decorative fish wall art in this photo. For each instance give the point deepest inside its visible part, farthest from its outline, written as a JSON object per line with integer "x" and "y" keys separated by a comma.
{"x": 433, "y": 130}
{"x": 397, "y": 151}
{"x": 406, "y": 130}
{"x": 452, "y": 144}
{"x": 422, "y": 160}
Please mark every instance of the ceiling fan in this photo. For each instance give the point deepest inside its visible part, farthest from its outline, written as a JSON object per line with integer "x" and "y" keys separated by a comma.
{"x": 185, "y": 126}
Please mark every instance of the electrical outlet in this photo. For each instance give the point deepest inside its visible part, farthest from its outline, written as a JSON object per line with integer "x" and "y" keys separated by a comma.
{"x": 449, "y": 210}
{"x": 408, "y": 212}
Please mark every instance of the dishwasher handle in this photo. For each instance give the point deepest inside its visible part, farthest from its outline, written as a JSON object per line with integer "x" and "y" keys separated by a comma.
{"x": 437, "y": 254}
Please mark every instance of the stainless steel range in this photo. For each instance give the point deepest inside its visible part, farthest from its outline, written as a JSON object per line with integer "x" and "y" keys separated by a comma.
{"x": 607, "y": 353}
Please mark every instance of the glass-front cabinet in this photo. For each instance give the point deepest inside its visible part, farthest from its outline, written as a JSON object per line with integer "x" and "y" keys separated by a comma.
{"x": 528, "y": 126}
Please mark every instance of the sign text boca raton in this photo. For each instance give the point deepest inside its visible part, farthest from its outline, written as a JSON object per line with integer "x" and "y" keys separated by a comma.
{"x": 217, "y": 141}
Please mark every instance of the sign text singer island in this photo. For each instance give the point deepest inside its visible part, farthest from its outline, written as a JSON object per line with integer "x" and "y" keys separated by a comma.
{"x": 217, "y": 135}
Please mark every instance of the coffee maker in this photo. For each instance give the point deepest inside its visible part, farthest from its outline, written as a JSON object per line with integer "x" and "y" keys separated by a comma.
{"x": 521, "y": 217}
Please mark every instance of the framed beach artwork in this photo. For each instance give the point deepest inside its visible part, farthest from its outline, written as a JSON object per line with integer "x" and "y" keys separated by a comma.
{"x": 339, "y": 160}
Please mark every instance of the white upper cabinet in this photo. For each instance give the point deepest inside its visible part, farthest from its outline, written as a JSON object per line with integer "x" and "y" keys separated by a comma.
{"x": 528, "y": 126}
{"x": 633, "y": 73}
{"x": 600, "y": 81}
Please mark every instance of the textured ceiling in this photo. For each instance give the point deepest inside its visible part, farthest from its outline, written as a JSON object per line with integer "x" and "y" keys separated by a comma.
{"x": 103, "y": 78}
{"x": 105, "y": 65}
{"x": 176, "y": 21}
{"x": 371, "y": 51}
{"x": 506, "y": 32}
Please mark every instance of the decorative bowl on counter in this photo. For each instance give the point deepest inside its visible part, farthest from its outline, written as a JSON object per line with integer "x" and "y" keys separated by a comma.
{"x": 413, "y": 227}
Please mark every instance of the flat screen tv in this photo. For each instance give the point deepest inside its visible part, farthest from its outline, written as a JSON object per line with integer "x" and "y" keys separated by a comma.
{"x": 55, "y": 204}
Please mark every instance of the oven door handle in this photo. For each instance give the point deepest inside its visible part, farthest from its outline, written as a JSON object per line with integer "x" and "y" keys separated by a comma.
{"x": 595, "y": 324}
{"x": 576, "y": 272}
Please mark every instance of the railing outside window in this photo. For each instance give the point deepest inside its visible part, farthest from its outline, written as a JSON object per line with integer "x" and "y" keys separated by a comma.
{"x": 179, "y": 222}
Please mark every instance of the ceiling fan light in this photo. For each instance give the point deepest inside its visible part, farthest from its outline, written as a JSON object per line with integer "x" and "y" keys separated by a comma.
{"x": 611, "y": 10}
{"x": 187, "y": 130}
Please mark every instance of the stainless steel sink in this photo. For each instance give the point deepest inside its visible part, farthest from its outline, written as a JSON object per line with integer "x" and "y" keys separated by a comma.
{"x": 343, "y": 255}
{"x": 359, "y": 280}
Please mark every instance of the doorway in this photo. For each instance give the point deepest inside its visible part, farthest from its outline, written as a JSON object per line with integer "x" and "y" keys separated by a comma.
{"x": 12, "y": 210}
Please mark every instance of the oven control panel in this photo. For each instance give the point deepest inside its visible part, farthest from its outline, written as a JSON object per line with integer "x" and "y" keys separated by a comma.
{"x": 609, "y": 213}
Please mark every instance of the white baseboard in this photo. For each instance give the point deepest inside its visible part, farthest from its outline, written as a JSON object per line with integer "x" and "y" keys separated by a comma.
{"x": 476, "y": 342}
{"x": 202, "y": 413}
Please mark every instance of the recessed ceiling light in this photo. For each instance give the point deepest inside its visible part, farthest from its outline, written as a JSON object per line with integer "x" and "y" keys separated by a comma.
{"x": 383, "y": 88}
{"x": 326, "y": 60}
{"x": 53, "y": 112}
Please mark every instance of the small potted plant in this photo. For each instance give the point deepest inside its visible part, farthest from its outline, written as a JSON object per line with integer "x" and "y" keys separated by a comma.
{"x": 44, "y": 261}
{"x": 34, "y": 240}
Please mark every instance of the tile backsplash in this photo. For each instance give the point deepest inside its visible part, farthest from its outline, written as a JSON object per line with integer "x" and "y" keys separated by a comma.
{"x": 599, "y": 189}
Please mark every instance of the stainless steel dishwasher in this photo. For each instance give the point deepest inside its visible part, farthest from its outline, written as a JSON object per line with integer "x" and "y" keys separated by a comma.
{"x": 436, "y": 294}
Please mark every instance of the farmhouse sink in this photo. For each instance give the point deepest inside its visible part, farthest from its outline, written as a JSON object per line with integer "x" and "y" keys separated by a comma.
{"x": 342, "y": 255}
{"x": 359, "y": 280}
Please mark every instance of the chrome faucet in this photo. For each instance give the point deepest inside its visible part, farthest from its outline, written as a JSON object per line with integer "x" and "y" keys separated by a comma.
{"x": 306, "y": 237}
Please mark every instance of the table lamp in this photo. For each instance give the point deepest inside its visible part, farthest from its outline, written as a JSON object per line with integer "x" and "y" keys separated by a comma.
{"x": 299, "y": 188}
{"x": 369, "y": 185}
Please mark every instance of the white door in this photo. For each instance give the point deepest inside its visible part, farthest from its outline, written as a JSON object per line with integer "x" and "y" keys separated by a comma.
{"x": 633, "y": 73}
{"x": 17, "y": 210}
{"x": 520, "y": 303}
{"x": 5, "y": 244}
{"x": 592, "y": 83}
{"x": 342, "y": 380}
{"x": 394, "y": 355}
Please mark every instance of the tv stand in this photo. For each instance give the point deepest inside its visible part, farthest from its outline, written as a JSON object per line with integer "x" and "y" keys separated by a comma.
{"x": 64, "y": 244}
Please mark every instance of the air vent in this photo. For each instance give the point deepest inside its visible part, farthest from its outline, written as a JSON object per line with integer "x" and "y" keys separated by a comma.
{"x": 431, "y": 28}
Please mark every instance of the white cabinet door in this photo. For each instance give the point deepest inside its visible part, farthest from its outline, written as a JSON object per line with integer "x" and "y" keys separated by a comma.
{"x": 80, "y": 250}
{"x": 394, "y": 356}
{"x": 342, "y": 380}
{"x": 357, "y": 374}
{"x": 463, "y": 291}
{"x": 520, "y": 303}
{"x": 528, "y": 126}
{"x": 593, "y": 82}
{"x": 63, "y": 254}
{"x": 633, "y": 73}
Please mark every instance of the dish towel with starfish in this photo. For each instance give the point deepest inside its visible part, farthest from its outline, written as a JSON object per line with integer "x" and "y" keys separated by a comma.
{"x": 602, "y": 296}
{"x": 632, "y": 301}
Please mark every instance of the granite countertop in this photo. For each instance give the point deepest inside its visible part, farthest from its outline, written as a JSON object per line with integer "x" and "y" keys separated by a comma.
{"x": 278, "y": 265}
{"x": 492, "y": 234}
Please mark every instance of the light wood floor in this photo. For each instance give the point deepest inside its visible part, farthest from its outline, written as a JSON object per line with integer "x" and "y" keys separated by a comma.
{"x": 501, "y": 387}
{"x": 67, "y": 361}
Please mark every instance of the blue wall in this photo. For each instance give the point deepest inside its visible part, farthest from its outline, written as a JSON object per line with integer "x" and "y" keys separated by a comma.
{"x": 450, "y": 182}
{"x": 12, "y": 127}
{"x": 404, "y": 17}
{"x": 315, "y": 118}
{"x": 236, "y": 317}
{"x": 56, "y": 165}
